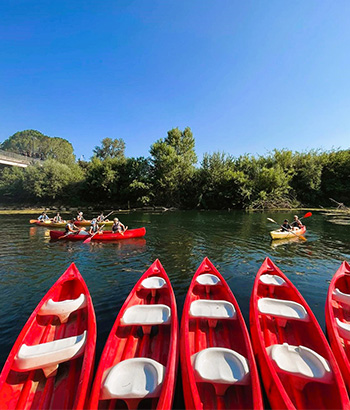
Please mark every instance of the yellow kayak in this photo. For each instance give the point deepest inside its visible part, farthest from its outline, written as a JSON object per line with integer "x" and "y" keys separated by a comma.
{"x": 51, "y": 224}
{"x": 287, "y": 234}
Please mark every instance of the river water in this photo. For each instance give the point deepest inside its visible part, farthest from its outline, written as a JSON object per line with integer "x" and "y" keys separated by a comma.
{"x": 236, "y": 242}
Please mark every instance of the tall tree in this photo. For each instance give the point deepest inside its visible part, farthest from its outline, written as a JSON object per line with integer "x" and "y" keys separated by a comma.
{"x": 173, "y": 161}
{"x": 110, "y": 148}
{"x": 34, "y": 144}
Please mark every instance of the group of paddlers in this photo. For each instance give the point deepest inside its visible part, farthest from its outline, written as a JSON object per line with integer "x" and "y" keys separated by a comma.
{"x": 71, "y": 228}
{"x": 296, "y": 224}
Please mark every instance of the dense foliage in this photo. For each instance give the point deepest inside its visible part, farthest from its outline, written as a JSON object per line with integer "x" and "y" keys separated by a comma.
{"x": 171, "y": 176}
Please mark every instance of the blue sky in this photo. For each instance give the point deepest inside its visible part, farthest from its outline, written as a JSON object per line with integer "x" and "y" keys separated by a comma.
{"x": 246, "y": 76}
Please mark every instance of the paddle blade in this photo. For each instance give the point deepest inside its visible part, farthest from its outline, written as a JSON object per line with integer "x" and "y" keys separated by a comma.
{"x": 302, "y": 237}
{"x": 307, "y": 215}
{"x": 32, "y": 221}
{"x": 88, "y": 240}
{"x": 271, "y": 220}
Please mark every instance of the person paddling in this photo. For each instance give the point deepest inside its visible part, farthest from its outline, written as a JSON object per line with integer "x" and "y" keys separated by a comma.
{"x": 285, "y": 226}
{"x": 71, "y": 228}
{"x": 94, "y": 228}
{"x": 102, "y": 218}
{"x": 296, "y": 223}
{"x": 118, "y": 227}
{"x": 80, "y": 217}
{"x": 57, "y": 218}
{"x": 43, "y": 217}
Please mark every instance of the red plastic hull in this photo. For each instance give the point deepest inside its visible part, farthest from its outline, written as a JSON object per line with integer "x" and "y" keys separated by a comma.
{"x": 196, "y": 335}
{"x": 68, "y": 389}
{"x": 335, "y": 309}
{"x": 106, "y": 236}
{"x": 126, "y": 342}
{"x": 286, "y": 390}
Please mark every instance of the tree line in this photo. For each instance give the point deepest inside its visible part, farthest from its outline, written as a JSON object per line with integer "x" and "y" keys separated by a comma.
{"x": 171, "y": 175}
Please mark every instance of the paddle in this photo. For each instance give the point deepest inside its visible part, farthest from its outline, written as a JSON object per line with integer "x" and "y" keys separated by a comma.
{"x": 88, "y": 240}
{"x": 307, "y": 215}
{"x": 288, "y": 230}
{"x": 32, "y": 221}
{"x": 108, "y": 215}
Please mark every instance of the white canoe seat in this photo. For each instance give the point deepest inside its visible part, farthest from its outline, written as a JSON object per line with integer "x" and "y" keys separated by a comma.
{"x": 153, "y": 282}
{"x": 275, "y": 280}
{"x": 341, "y": 296}
{"x": 343, "y": 329}
{"x": 63, "y": 308}
{"x": 207, "y": 279}
{"x": 134, "y": 379}
{"x": 147, "y": 315}
{"x": 300, "y": 360}
{"x": 282, "y": 308}
{"x": 220, "y": 365}
{"x": 48, "y": 356}
{"x": 212, "y": 309}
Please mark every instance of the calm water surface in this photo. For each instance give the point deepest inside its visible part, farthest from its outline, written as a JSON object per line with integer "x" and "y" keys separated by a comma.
{"x": 236, "y": 243}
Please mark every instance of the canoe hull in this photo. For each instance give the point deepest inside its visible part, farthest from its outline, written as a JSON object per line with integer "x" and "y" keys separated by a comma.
{"x": 106, "y": 236}
{"x": 68, "y": 389}
{"x": 337, "y": 309}
{"x": 285, "y": 389}
{"x": 285, "y": 234}
{"x": 197, "y": 335}
{"x": 128, "y": 342}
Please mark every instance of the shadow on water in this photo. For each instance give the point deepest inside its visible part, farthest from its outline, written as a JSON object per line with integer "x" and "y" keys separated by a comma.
{"x": 236, "y": 242}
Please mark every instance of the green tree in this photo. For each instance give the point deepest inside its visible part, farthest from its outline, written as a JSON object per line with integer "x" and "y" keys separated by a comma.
{"x": 52, "y": 180}
{"x": 34, "y": 144}
{"x": 110, "y": 149}
{"x": 173, "y": 161}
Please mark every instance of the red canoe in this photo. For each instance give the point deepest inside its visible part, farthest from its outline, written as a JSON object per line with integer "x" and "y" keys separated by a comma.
{"x": 139, "y": 360}
{"x": 105, "y": 236}
{"x": 297, "y": 365}
{"x": 338, "y": 319}
{"x": 217, "y": 360}
{"x": 50, "y": 364}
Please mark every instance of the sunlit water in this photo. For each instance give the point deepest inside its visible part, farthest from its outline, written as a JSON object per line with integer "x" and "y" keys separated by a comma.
{"x": 236, "y": 242}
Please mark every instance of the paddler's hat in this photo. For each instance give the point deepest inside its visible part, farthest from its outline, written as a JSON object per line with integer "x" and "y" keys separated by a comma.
{"x": 286, "y": 220}
{"x": 296, "y": 216}
{"x": 115, "y": 219}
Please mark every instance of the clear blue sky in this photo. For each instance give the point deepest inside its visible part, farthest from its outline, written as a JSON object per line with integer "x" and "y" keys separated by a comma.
{"x": 246, "y": 76}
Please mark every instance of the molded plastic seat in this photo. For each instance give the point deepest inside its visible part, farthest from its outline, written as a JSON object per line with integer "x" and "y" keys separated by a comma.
{"x": 282, "y": 308}
{"x": 207, "y": 279}
{"x": 301, "y": 361}
{"x": 63, "y": 308}
{"x": 133, "y": 379}
{"x": 341, "y": 297}
{"x": 212, "y": 309}
{"x": 220, "y": 365}
{"x": 146, "y": 315}
{"x": 275, "y": 280}
{"x": 153, "y": 282}
{"x": 47, "y": 356}
{"x": 343, "y": 329}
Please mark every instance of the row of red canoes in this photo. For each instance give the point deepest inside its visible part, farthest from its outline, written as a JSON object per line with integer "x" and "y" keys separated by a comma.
{"x": 51, "y": 363}
{"x": 105, "y": 236}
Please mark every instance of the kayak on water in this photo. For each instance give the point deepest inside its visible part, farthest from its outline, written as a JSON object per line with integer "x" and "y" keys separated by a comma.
{"x": 51, "y": 224}
{"x": 217, "y": 360}
{"x": 298, "y": 368}
{"x": 50, "y": 365}
{"x": 104, "y": 236}
{"x": 287, "y": 234}
{"x": 338, "y": 318}
{"x": 48, "y": 223}
{"x": 139, "y": 360}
